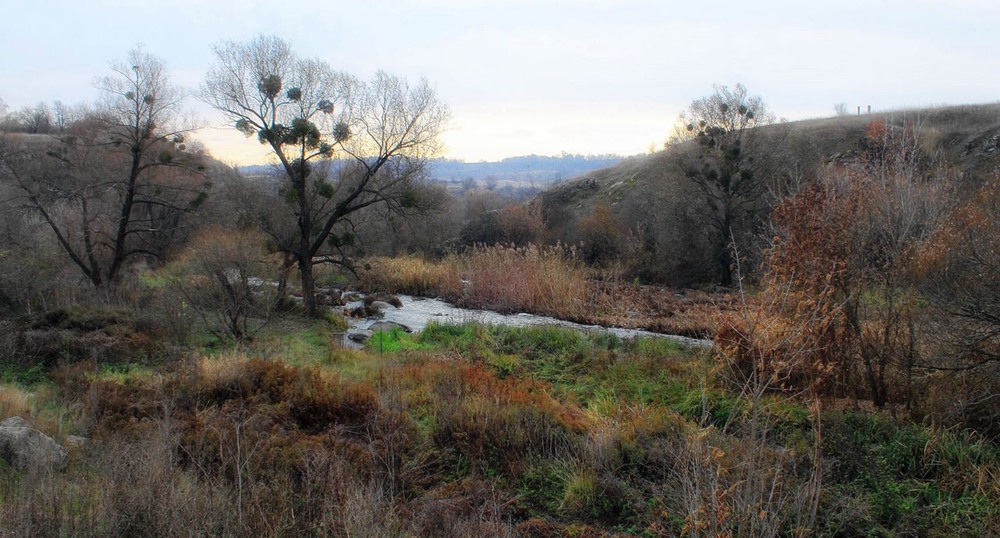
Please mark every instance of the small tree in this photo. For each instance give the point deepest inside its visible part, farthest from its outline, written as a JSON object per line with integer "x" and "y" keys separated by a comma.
{"x": 600, "y": 236}
{"x": 226, "y": 277}
{"x": 958, "y": 271}
{"x": 305, "y": 113}
{"x": 726, "y": 167}
{"x": 116, "y": 185}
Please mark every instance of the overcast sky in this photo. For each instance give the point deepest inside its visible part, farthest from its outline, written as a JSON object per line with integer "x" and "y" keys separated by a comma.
{"x": 522, "y": 77}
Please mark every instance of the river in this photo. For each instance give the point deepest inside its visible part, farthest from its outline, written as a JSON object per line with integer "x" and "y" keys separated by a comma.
{"x": 417, "y": 312}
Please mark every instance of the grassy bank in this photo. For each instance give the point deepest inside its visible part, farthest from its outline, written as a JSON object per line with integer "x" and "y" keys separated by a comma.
{"x": 476, "y": 430}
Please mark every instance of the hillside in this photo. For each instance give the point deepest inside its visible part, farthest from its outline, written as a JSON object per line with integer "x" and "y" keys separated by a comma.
{"x": 655, "y": 208}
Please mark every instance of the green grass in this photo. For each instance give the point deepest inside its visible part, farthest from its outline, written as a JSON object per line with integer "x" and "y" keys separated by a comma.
{"x": 394, "y": 341}
{"x": 23, "y": 375}
{"x": 121, "y": 373}
{"x": 299, "y": 341}
{"x": 582, "y": 366}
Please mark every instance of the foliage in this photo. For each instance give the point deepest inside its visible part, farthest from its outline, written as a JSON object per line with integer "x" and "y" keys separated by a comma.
{"x": 600, "y": 237}
{"x": 957, "y": 269}
{"x": 518, "y": 225}
{"x": 837, "y": 282}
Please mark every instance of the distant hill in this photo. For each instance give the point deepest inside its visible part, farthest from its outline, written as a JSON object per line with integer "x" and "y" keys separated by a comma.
{"x": 655, "y": 207}
{"x": 523, "y": 169}
{"x": 538, "y": 168}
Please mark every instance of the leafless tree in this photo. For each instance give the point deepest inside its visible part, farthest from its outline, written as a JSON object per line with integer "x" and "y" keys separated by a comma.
{"x": 727, "y": 168}
{"x": 116, "y": 185}
{"x": 36, "y": 119}
{"x": 381, "y": 133}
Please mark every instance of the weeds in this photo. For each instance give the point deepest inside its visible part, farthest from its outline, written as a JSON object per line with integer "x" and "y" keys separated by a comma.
{"x": 477, "y": 430}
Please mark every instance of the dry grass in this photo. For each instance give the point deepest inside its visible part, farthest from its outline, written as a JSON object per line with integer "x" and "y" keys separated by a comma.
{"x": 413, "y": 275}
{"x": 693, "y": 313}
{"x": 15, "y": 401}
{"x": 544, "y": 280}
{"x": 32, "y": 406}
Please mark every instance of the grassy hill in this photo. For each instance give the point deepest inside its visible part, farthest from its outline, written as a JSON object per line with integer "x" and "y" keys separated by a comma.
{"x": 655, "y": 208}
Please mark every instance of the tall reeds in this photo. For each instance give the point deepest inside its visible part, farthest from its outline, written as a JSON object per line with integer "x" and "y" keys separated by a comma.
{"x": 543, "y": 280}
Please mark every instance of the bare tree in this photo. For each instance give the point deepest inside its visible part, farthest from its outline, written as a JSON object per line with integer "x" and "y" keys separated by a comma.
{"x": 382, "y": 133}
{"x": 727, "y": 169}
{"x": 36, "y": 119}
{"x": 116, "y": 185}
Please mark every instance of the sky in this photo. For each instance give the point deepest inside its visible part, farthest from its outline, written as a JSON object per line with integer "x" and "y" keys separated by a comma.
{"x": 535, "y": 77}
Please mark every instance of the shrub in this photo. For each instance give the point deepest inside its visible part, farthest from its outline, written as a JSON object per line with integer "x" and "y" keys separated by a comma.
{"x": 105, "y": 335}
{"x": 226, "y": 277}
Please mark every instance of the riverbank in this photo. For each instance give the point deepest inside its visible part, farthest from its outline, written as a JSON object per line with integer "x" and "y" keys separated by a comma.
{"x": 547, "y": 282}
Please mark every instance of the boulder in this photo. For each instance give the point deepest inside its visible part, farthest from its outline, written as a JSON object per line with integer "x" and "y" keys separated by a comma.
{"x": 26, "y": 448}
{"x": 385, "y": 300}
{"x": 360, "y": 337}
{"x": 380, "y": 305}
{"x": 388, "y": 326}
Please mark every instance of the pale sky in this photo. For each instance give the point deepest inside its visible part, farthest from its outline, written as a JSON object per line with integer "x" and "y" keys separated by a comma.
{"x": 543, "y": 77}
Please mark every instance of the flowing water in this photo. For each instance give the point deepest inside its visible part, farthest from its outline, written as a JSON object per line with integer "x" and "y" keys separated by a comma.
{"x": 417, "y": 312}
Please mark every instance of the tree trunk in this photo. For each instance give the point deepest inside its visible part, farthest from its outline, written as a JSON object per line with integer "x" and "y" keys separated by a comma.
{"x": 308, "y": 285}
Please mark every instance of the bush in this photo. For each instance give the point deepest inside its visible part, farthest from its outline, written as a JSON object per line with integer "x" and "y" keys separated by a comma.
{"x": 226, "y": 276}
{"x": 79, "y": 333}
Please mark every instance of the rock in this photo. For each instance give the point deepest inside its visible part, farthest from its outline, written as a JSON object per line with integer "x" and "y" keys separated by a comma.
{"x": 361, "y": 336}
{"x": 385, "y": 299}
{"x": 27, "y": 448}
{"x": 388, "y": 326}
{"x": 75, "y": 441}
{"x": 380, "y": 305}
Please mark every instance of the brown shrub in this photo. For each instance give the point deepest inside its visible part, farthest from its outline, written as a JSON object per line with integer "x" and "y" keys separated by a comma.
{"x": 80, "y": 333}
{"x": 467, "y": 508}
{"x": 495, "y": 423}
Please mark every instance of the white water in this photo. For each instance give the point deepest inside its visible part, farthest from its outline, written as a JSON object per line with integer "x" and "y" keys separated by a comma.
{"x": 417, "y": 312}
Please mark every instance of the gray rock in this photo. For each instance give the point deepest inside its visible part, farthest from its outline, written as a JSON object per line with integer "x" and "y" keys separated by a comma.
{"x": 75, "y": 441}
{"x": 388, "y": 326}
{"x": 381, "y": 305}
{"x": 361, "y": 336}
{"x": 27, "y": 448}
